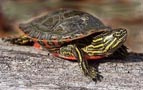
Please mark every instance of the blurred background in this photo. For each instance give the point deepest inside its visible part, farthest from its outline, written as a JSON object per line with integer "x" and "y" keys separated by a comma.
{"x": 115, "y": 13}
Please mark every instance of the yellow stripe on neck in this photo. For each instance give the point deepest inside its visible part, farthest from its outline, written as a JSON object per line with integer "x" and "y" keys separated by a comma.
{"x": 78, "y": 52}
{"x": 107, "y": 47}
{"x": 96, "y": 40}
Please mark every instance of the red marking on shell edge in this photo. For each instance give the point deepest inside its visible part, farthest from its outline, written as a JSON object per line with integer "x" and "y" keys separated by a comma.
{"x": 55, "y": 42}
{"x": 46, "y": 44}
{"x": 93, "y": 57}
{"x": 73, "y": 58}
{"x": 67, "y": 58}
{"x": 37, "y": 45}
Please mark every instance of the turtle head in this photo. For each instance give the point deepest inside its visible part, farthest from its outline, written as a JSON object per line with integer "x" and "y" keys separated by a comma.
{"x": 120, "y": 34}
{"x": 107, "y": 42}
{"x": 115, "y": 36}
{"x": 113, "y": 39}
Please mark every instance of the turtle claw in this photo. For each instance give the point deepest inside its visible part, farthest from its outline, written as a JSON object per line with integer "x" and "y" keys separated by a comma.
{"x": 94, "y": 74}
{"x": 97, "y": 78}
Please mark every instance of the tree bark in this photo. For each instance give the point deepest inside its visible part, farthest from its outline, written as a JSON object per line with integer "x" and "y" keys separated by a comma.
{"x": 26, "y": 68}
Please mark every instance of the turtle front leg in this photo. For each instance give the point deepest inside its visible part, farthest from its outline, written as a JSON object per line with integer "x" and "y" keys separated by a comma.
{"x": 72, "y": 52}
{"x": 87, "y": 69}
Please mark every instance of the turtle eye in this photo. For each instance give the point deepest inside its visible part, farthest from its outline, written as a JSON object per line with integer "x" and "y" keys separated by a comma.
{"x": 117, "y": 34}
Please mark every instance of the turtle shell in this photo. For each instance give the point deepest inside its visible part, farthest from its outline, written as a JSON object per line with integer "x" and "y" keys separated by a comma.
{"x": 62, "y": 26}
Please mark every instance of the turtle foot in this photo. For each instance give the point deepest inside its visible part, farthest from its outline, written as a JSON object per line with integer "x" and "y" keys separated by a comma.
{"x": 94, "y": 74}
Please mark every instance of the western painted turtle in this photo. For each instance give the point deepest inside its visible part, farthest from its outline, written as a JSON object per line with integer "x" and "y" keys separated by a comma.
{"x": 76, "y": 35}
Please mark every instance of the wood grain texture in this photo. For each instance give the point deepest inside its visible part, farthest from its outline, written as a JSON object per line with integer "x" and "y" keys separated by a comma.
{"x": 25, "y": 68}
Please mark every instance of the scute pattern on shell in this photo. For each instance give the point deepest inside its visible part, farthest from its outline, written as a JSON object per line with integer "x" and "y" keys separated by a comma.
{"x": 63, "y": 24}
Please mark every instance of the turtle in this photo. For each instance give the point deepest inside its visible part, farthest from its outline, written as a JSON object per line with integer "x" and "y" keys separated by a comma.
{"x": 75, "y": 35}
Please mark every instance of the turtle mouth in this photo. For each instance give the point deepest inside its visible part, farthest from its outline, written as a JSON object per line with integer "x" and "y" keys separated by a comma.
{"x": 123, "y": 36}
{"x": 120, "y": 34}
{"x": 118, "y": 38}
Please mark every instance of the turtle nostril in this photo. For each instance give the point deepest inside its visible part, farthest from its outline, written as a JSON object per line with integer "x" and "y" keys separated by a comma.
{"x": 117, "y": 34}
{"x": 123, "y": 31}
